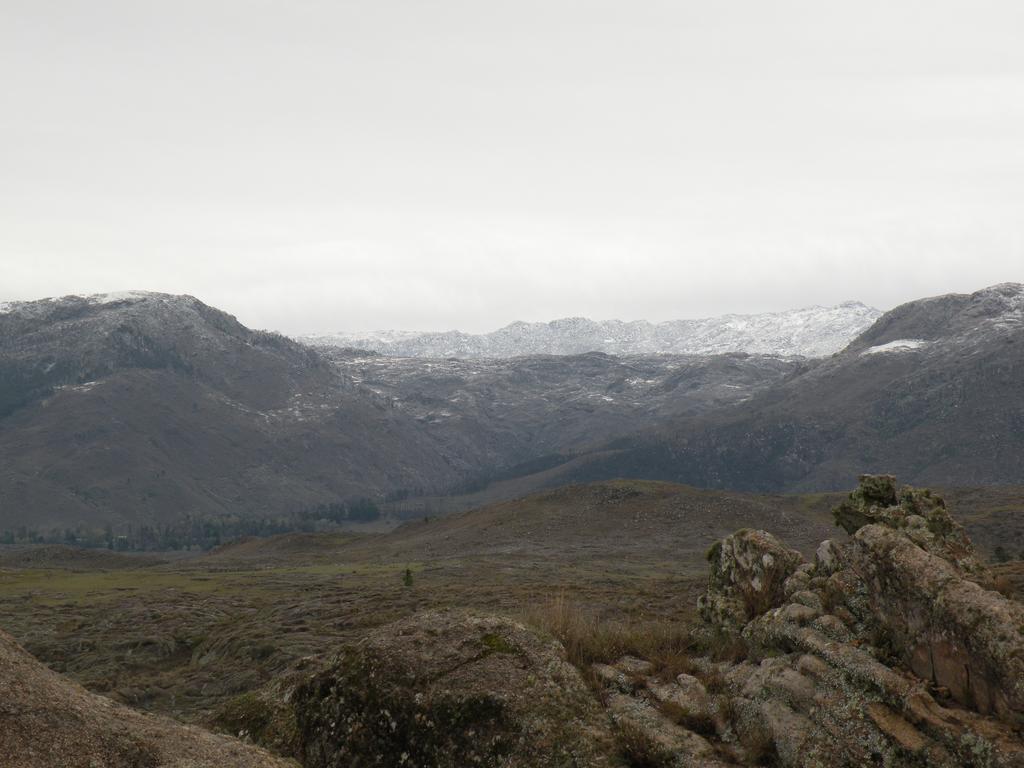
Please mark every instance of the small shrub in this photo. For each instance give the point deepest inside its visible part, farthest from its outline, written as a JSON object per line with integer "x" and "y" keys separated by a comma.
{"x": 714, "y": 681}
{"x": 713, "y": 552}
{"x": 698, "y": 722}
{"x": 639, "y": 750}
{"x": 1004, "y": 586}
{"x": 251, "y": 717}
{"x": 761, "y": 749}
{"x": 720, "y": 645}
{"x": 672, "y": 662}
{"x": 495, "y": 643}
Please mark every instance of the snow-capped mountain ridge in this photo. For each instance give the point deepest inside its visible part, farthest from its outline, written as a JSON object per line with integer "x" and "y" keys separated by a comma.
{"x": 809, "y": 332}
{"x": 34, "y": 306}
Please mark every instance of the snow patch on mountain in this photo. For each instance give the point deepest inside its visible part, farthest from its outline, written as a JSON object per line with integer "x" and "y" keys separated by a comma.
{"x": 98, "y": 299}
{"x": 116, "y": 296}
{"x": 809, "y": 332}
{"x": 900, "y": 345}
{"x": 378, "y": 337}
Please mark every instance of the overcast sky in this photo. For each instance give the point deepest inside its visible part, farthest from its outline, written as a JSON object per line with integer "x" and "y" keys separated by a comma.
{"x": 317, "y": 166}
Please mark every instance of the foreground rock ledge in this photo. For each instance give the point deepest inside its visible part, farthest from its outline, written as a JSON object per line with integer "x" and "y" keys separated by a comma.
{"x": 47, "y": 721}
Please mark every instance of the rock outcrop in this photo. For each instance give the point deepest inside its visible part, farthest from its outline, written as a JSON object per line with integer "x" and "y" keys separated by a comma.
{"x": 47, "y": 721}
{"x": 440, "y": 688}
{"x": 749, "y": 570}
{"x": 891, "y": 648}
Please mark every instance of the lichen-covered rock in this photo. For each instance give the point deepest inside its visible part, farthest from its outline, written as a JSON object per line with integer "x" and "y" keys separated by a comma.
{"x": 873, "y": 494}
{"x": 749, "y": 570}
{"x": 890, "y": 649}
{"x": 448, "y": 688}
{"x": 652, "y": 737}
{"x": 944, "y": 627}
{"x": 917, "y": 513}
{"x": 661, "y": 722}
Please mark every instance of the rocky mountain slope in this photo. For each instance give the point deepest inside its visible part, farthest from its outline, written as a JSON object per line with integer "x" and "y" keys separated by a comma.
{"x": 809, "y": 332}
{"x": 524, "y": 409}
{"x": 147, "y": 407}
{"x": 933, "y": 390}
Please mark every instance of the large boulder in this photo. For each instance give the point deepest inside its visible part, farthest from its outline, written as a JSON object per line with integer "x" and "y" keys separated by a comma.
{"x": 945, "y": 627}
{"x": 449, "y": 688}
{"x": 749, "y": 570}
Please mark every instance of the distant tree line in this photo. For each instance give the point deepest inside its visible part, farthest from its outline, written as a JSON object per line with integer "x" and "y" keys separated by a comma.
{"x": 197, "y": 532}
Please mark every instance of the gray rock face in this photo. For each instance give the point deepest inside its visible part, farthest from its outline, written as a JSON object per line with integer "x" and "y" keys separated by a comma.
{"x": 940, "y": 621}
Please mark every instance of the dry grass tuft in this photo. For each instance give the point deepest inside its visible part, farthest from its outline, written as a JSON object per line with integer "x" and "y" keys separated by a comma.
{"x": 1004, "y": 586}
{"x": 639, "y": 750}
{"x": 720, "y": 645}
{"x": 589, "y": 640}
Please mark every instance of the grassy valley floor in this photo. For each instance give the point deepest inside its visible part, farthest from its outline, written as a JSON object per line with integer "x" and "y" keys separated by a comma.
{"x": 182, "y": 636}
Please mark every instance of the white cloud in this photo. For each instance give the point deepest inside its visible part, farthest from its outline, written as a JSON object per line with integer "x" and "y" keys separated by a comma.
{"x": 313, "y": 167}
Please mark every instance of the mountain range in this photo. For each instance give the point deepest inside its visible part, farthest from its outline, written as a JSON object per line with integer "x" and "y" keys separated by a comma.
{"x": 933, "y": 391}
{"x": 144, "y": 408}
{"x": 808, "y": 332}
